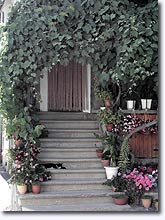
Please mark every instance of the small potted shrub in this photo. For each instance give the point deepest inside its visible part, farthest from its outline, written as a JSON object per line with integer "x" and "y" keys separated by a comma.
{"x": 111, "y": 149}
{"x": 108, "y": 118}
{"x": 104, "y": 95}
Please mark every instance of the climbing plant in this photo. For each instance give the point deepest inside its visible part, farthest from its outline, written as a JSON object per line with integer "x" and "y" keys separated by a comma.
{"x": 118, "y": 38}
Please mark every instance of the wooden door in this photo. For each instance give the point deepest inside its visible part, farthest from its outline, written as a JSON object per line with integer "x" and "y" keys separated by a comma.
{"x": 65, "y": 87}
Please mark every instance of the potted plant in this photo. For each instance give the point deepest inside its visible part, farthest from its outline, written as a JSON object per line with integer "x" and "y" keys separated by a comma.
{"x": 36, "y": 187}
{"x": 24, "y": 171}
{"x": 130, "y": 96}
{"x": 18, "y": 177}
{"x": 103, "y": 94}
{"x": 21, "y": 187}
{"x": 146, "y": 103}
{"x": 139, "y": 181}
{"x": 120, "y": 199}
{"x": 131, "y": 104}
{"x": 146, "y": 201}
{"x": 108, "y": 118}
{"x": 117, "y": 183}
{"x": 38, "y": 175}
{"x": 110, "y": 148}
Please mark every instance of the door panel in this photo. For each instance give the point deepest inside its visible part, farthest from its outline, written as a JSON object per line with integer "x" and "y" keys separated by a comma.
{"x": 65, "y": 87}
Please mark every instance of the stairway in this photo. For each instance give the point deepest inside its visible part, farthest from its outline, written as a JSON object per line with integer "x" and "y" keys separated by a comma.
{"x": 79, "y": 187}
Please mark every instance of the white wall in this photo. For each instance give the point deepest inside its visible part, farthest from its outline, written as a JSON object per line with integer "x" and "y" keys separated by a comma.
{"x": 44, "y": 91}
{"x": 6, "y": 8}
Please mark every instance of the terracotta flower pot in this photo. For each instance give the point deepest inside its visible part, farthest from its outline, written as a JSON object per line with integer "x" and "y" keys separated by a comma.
{"x": 109, "y": 127}
{"x": 107, "y": 103}
{"x": 105, "y": 162}
{"x": 22, "y": 189}
{"x": 146, "y": 202}
{"x": 18, "y": 142}
{"x": 99, "y": 153}
{"x": 120, "y": 199}
{"x": 36, "y": 189}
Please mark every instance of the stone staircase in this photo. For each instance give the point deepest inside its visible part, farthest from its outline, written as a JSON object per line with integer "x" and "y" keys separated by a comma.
{"x": 79, "y": 187}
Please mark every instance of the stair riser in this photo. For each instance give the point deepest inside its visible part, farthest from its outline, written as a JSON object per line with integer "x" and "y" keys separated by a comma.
{"x": 52, "y": 144}
{"x": 82, "y": 165}
{"x": 66, "y": 200}
{"x": 72, "y": 176}
{"x": 66, "y": 116}
{"x": 71, "y": 125}
{"x": 74, "y": 154}
{"x": 75, "y": 164}
{"x": 53, "y": 134}
{"x": 68, "y": 187}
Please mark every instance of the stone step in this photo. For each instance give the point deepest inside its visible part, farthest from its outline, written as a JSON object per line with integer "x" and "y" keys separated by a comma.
{"x": 68, "y": 197}
{"x": 81, "y": 174}
{"x": 75, "y": 163}
{"x": 92, "y": 207}
{"x": 70, "y": 143}
{"x": 67, "y": 153}
{"x": 76, "y": 184}
{"x": 72, "y": 133}
{"x": 66, "y": 116}
{"x": 70, "y": 124}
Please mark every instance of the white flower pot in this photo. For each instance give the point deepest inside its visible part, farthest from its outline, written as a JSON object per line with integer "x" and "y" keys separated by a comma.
{"x": 149, "y": 102}
{"x": 144, "y": 103}
{"x": 131, "y": 104}
{"x": 111, "y": 171}
{"x": 102, "y": 108}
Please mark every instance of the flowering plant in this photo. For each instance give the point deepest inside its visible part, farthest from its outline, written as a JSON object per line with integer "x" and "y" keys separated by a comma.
{"x": 152, "y": 129}
{"x": 118, "y": 183}
{"x": 24, "y": 167}
{"x": 139, "y": 181}
{"x": 127, "y": 123}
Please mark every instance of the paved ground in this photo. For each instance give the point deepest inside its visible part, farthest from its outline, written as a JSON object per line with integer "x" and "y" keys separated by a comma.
{"x": 6, "y": 195}
{"x": 5, "y": 191}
